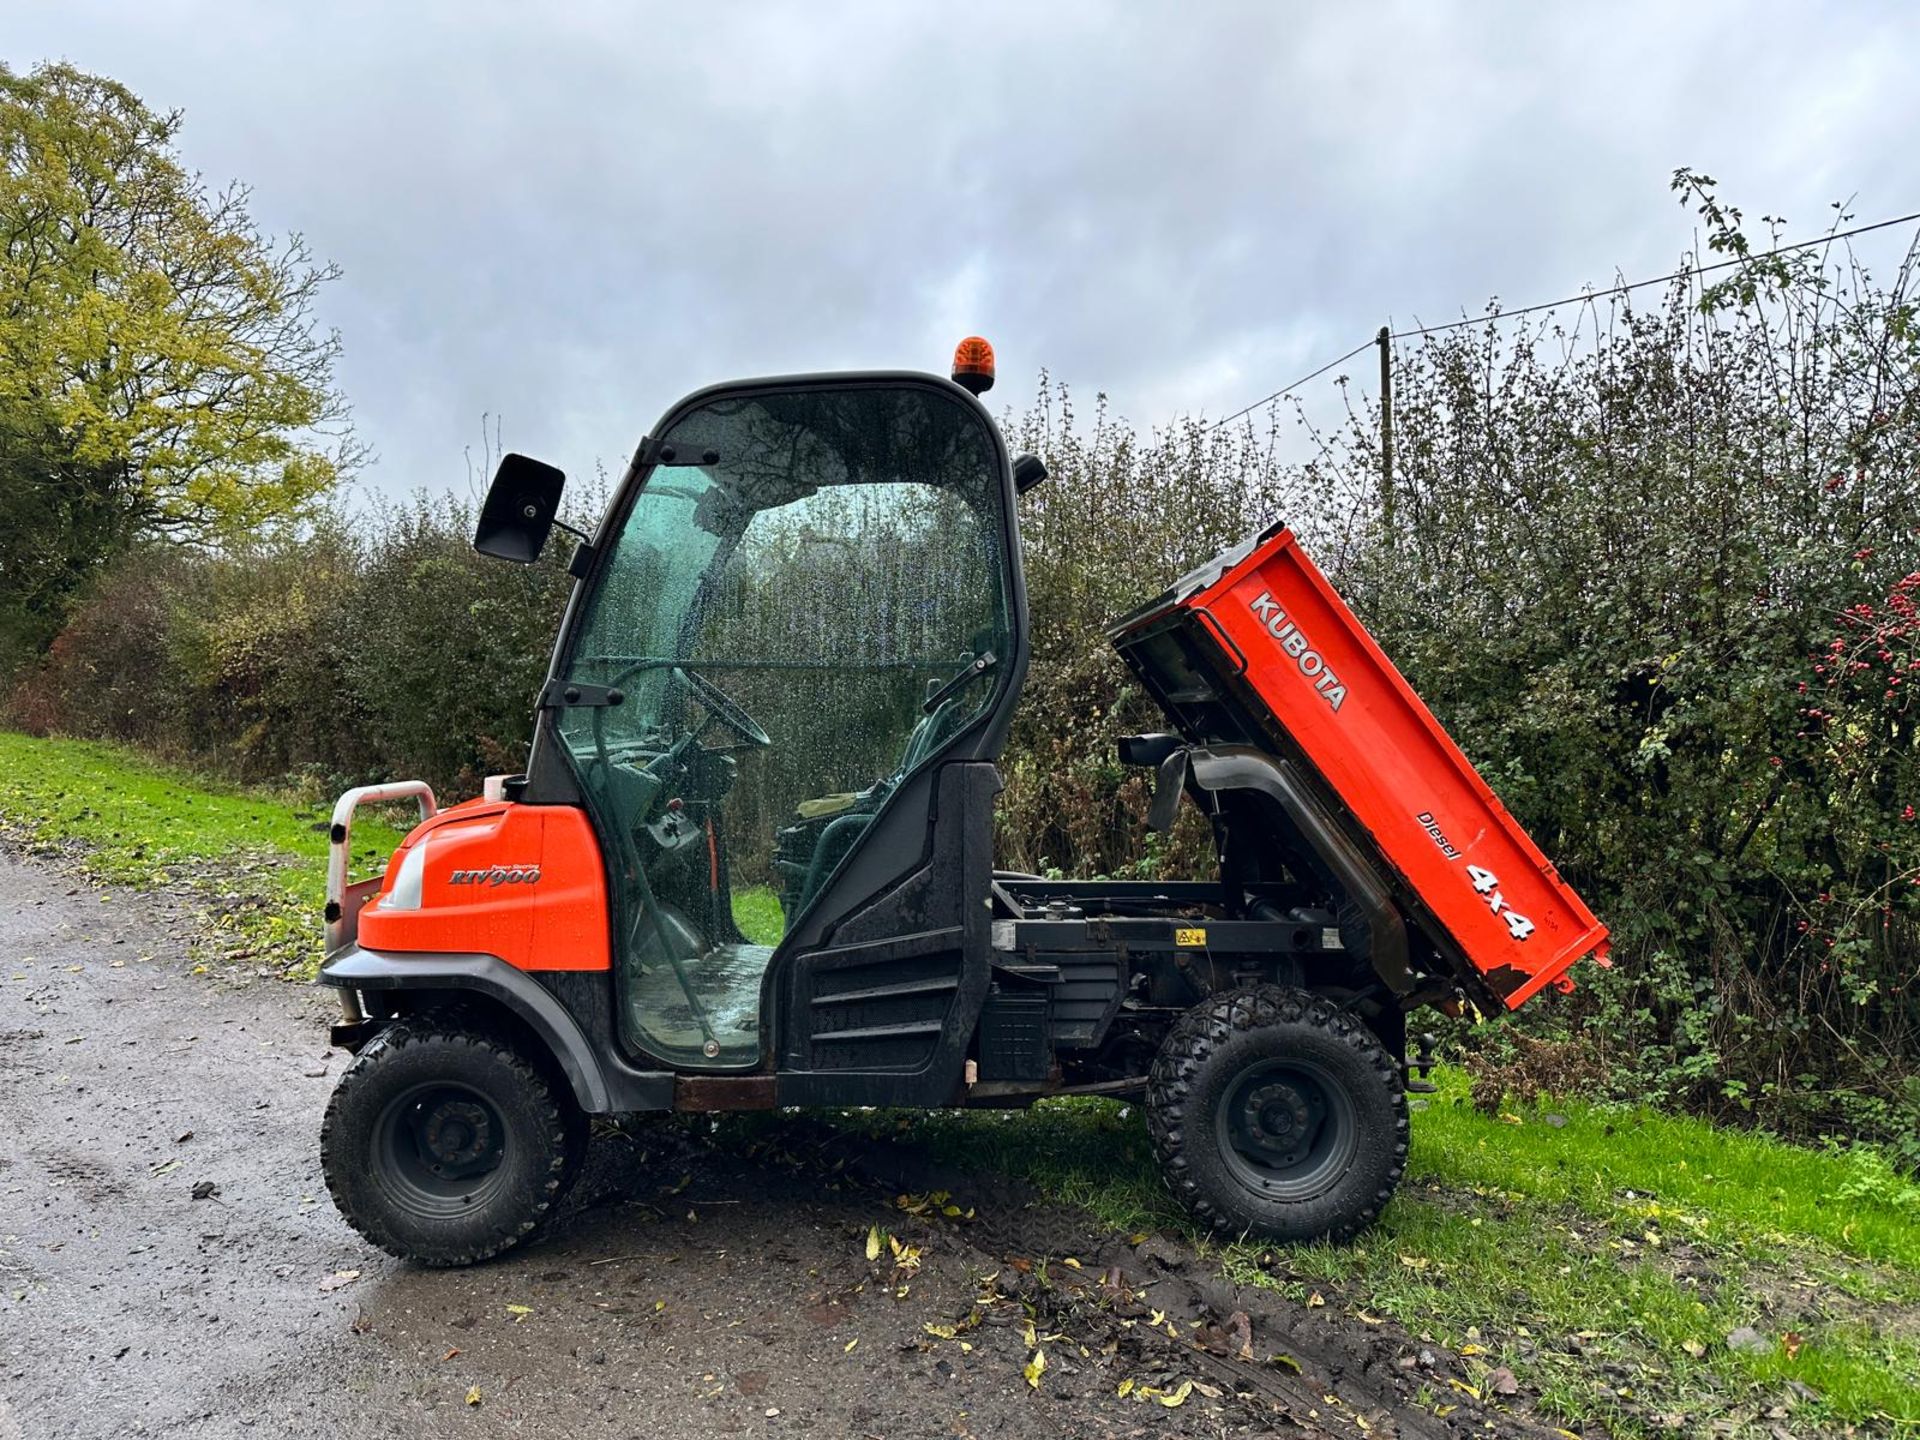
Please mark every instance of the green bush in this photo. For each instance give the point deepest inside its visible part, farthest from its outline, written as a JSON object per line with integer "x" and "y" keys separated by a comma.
{"x": 332, "y": 654}
{"x": 1656, "y": 570}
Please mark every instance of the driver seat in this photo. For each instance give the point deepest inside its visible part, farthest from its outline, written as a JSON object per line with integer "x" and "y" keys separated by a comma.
{"x": 808, "y": 852}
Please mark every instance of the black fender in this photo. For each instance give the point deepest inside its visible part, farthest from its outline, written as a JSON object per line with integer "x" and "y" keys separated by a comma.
{"x": 601, "y": 1083}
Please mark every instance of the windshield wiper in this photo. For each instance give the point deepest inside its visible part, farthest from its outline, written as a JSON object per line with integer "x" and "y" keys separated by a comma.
{"x": 980, "y": 665}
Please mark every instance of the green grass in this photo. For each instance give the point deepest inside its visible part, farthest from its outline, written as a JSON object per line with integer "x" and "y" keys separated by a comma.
{"x": 1687, "y": 1178}
{"x": 1604, "y": 1254}
{"x": 258, "y": 861}
{"x": 756, "y": 910}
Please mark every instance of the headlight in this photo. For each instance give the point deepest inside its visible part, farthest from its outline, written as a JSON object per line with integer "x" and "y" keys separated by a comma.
{"x": 405, "y": 894}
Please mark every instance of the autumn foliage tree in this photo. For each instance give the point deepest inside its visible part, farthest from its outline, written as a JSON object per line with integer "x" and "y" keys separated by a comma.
{"x": 162, "y": 372}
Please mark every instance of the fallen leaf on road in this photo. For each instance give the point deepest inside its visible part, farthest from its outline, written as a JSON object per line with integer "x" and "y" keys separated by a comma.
{"x": 1502, "y": 1382}
{"x": 205, "y": 1190}
{"x": 1178, "y": 1396}
{"x": 450, "y": 1354}
{"x": 519, "y": 1312}
{"x": 1791, "y": 1343}
{"x": 473, "y": 1394}
{"x": 1316, "y": 1300}
{"x": 338, "y": 1280}
{"x": 1034, "y": 1368}
{"x": 1240, "y": 1331}
{"x": 850, "y": 1344}
{"x": 873, "y": 1243}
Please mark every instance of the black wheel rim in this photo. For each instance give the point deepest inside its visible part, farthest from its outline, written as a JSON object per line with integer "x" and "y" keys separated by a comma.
{"x": 439, "y": 1148}
{"x": 1287, "y": 1129}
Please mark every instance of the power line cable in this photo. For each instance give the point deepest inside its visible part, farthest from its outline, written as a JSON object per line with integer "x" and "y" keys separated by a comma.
{"x": 1315, "y": 375}
{"x": 1568, "y": 300}
{"x": 1656, "y": 280}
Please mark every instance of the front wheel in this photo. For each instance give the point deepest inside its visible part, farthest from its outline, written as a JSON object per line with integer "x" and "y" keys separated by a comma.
{"x": 1275, "y": 1113}
{"x": 447, "y": 1146}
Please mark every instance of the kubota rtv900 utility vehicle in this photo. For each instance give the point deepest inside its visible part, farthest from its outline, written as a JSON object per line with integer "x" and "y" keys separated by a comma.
{"x": 750, "y": 861}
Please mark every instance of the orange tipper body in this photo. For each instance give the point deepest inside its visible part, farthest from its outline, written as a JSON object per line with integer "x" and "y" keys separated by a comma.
{"x": 1471, "y": 877}
{"x": 521, "y": 882}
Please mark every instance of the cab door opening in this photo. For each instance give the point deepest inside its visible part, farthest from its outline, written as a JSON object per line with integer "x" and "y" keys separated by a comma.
{"x": 797, "y": 613}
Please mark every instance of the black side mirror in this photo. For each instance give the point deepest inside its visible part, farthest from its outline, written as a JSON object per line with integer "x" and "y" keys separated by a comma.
{"x": 1028, "y": 471}
{"x": 519, "y": 510}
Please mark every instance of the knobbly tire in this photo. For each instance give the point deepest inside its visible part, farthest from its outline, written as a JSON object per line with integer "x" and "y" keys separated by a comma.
{"x": 447, "y": 1146}
{"x": 1275, "y": 1113}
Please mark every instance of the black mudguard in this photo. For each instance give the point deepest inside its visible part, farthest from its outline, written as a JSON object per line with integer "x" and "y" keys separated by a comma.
{"x": 601, "y": 1084}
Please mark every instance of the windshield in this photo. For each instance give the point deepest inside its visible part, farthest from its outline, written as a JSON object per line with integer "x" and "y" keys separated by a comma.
{"x": 849, "y": 531}
{"x": 801, "y": 609}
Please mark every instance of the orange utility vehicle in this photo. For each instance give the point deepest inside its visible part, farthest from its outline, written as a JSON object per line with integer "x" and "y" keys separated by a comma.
{"x": 750, "y": 861}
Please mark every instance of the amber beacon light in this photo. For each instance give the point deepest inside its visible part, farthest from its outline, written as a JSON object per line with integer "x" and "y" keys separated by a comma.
{"x": 973, "y": 365}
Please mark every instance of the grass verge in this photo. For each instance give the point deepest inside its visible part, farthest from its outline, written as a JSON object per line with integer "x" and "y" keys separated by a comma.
{"x": 1644, "y": 1271}
{"x": 1605, "y": 1255}
{"x": 256, "y": 862}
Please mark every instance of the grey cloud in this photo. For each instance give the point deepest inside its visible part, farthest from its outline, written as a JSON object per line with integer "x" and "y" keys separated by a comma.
{"x": 571, "y": 214}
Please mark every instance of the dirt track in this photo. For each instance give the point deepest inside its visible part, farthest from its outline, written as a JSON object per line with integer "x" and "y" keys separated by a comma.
{"x": 688, "y": 1291}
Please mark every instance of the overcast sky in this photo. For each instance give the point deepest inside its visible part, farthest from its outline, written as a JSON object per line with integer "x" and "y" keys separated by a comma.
{"x": 568, "y": 214}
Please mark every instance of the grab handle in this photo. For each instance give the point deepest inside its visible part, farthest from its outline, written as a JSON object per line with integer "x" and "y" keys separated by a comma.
{"x": 342, "y": 918}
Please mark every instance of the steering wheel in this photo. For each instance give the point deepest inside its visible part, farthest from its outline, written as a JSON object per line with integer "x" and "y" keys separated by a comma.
{"x": 724, "y": 708}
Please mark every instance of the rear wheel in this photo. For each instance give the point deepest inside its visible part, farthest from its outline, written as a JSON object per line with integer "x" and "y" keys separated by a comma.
{"x": 1276, "y": 1113}
{"x": 447, "y": 1146}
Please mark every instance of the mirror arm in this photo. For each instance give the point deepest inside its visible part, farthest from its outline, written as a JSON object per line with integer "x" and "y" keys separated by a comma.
{"x": 581, "y": 561}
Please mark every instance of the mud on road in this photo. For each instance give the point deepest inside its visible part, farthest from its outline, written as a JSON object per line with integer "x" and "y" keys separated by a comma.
{"x": 170, "y": 1263}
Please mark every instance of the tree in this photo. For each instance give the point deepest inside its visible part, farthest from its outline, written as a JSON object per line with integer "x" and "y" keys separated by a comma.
{"x": 162, "y": 371}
